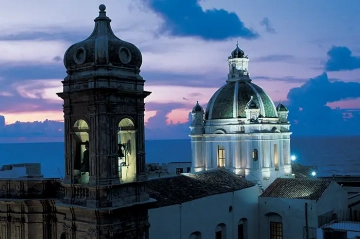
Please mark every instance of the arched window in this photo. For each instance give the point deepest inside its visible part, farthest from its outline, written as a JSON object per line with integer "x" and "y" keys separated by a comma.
{"x": 81, "y": 159}
{"x": 220, "y": 231}
{"x": 195, "y": 235}
{"x": 276, "y": 225}
{"x": 242, "y": 229}
{"x": 63, "y": 236}
{"x": 126, "y": 150}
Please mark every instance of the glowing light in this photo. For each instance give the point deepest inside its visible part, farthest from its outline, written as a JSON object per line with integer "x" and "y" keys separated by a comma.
{"x": 313, "y": 173}
{"x": 293, "y": 157}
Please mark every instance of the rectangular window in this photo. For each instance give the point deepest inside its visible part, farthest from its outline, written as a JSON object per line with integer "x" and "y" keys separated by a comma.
{"x": 179, "y": 170}
{"x": 188, "y": 169}
{"x": 221, "y": 157}
{"x": 255, "y": 155}
{"x": 241, "y": 231}
{"x": 218, "y": 235}
{"x": 276, "y": 230}
{"x": 276, "y": 158}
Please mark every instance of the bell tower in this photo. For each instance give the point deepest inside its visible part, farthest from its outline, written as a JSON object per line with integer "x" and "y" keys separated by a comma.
{"x": 103, "y": 93}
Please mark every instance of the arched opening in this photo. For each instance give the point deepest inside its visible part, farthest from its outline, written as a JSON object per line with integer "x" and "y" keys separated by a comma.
{"x": 242, "y": 229}
{"x": 275, "y": 225}
{"x": 81, "y": 145}
{"x": 220, "y": 231}
{"x": 63, "y": 235}
{"x": 195, "y": 235}
{"x": 126, "y": 150}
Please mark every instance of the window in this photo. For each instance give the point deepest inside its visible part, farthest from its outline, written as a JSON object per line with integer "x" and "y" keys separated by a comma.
{"x": 255, "y": 155}
{"x": 221, "y": 157}
{"x": 179, "y": 170}
{"x": 81, "y": 159}
{"x": 276, "y": 158}
{"x": 188, "y": 169}
{"x": 276, "y": 230}
{"x": 220, "y": 231}
{"x": 242, "y": 229}
{"x": 195, "y": 235}
{"x": 126, "y": 150}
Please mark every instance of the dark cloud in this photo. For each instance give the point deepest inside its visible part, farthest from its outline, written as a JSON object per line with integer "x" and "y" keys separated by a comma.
{"x": 274, "y": 58}
{"x": 309, "y": 113}
{"x": 340, "y": 58}
{"x": 320, "y": 91}
{"x": 57, "y": 58}
{"x": 187, "y": 18}
{"x": 24, "y": 73}
{"x": 30, "y": 130}
{"x": 268, "y": 26}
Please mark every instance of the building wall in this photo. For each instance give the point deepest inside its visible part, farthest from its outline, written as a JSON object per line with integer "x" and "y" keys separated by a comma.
{"x": 292, "y": 212}
{"x": 205, "y": 214}
{"x": 334, "y": 198}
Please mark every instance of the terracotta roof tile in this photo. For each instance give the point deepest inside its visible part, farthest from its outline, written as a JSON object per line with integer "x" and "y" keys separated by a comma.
{"x": 297, "y": 188}
{"x": 179, "y": 189}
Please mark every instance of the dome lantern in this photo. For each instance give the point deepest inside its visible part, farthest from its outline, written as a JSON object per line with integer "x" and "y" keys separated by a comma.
{"x": 197, "y": 108}
{"x": 102, "y": 54}
{"x": 238, "y": 66}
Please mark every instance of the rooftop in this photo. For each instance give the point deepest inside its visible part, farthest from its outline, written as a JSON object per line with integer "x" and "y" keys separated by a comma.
{"x": 297, "y": 188}
{"x": 186, "y": 187}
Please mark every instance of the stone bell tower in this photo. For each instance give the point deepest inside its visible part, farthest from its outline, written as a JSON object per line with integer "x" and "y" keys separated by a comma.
{"x": 103, "y": 93}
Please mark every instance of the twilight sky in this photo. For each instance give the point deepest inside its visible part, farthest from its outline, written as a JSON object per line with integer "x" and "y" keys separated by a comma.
{"x": 306, "y": 55}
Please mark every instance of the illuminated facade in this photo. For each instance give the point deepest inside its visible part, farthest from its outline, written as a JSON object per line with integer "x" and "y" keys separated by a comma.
{"x": 241, "y": 129}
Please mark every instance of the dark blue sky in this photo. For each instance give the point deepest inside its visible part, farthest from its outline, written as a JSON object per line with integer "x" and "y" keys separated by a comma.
{"x": 306, "y": 55}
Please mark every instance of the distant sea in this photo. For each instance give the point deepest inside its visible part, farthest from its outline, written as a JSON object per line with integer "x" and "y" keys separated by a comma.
{"x": 332, "y": 155}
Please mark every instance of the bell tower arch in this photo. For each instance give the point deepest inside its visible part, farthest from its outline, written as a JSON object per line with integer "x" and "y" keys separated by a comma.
{"x": 103, "y": 95}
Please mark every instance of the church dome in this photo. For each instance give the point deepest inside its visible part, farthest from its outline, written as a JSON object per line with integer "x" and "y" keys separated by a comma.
{"x": 239, "y": 93}
{"x": 102, "y": 48}
{"x": 231, "y": 100}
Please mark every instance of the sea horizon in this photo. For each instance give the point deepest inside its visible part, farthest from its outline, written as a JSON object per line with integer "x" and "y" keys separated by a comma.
{"x": 331, "y": 155}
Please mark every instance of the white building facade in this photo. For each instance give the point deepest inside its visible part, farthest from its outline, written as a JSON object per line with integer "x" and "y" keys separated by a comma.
{"x": 212, "y": 204}
{"x": 241, "y": 129}
{"x": 295, "y": 208}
